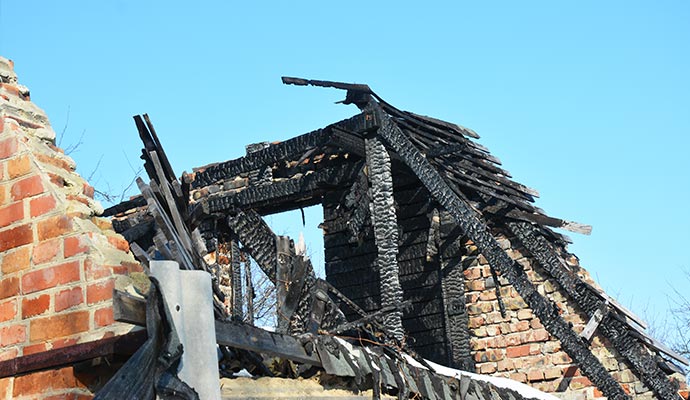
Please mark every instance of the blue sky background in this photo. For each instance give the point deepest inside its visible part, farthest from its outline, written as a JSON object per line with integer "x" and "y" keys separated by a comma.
{"x": 587, "y": 102}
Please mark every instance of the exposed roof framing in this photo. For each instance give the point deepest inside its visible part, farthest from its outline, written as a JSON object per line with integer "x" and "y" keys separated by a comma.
{"x": 462, "y": 177}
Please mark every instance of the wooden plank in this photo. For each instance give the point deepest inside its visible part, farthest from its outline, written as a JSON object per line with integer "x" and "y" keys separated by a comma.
{"x": 166, "y": 191}
{"x": 128, "y": 308}
{"x": 119, "y": 345}
{"x": 242, "y": 336}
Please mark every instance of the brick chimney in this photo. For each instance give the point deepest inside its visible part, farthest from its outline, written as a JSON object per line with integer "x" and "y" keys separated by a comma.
{"x": 58, "y": 259}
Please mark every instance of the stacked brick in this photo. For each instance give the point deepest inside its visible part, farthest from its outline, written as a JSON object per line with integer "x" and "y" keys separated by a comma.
{"x": 58, "y": 259}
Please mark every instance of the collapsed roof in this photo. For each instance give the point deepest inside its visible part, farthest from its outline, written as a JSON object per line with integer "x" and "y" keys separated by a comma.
{"x": 404, "y": 195}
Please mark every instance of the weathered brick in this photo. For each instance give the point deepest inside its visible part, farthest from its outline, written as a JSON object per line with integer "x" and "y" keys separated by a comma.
{"x": 519, "y": 326}
{"x": 11, "y": 213}
{"x": 100, "y": 291}
{"x": 18, "y": 166}
{"x": 15, "y": 237}
{"x": 8, "y": 310}
{"x": 50, "y": 277}
{"x": 9, "y": 286}
{"x": 552, "y": 373}
{"x": 472, "y": 273}
{"x": 535, "y": 375}
{"x": 75, "y": 245}
{"x": 103, "y": 317}
{"x": 525, "y": 314}
{"x": 478, "y": 284}
{"x": 35, "y": 306}
{"x": 12, "y": 334}
{"x": 5, "y": 383}
{"x": 505, "y": 365}
{"x": 119, "y": 243}
{"x": 488, "y": 295}
{"x": 64, "y": 342}
{"x": 58, "y": 326}
{"x": 519, "y": 376}
{"x": 45, "y": 381}
{"x": 8, "y": 147}
{"x": 68, "y": 298}
{"x": 42, "y": 205}
{"x": 34, "y": 348}
{"x": 55, "y": 160}
{"x": 16, "y": 260}
{"x": 27, "y": 187}
{"x": 54, "y": 226}
{"x": 517, "y": 351}
{"x": 95, "y": 270}
{"x": 561, "y": 358}
{"x": 9, "y": 353}
{"x": 475, "y": 322}
{"x": 88, "y": 190}
{"x": 489, "y": 368}
{"x": 46, "y": 251}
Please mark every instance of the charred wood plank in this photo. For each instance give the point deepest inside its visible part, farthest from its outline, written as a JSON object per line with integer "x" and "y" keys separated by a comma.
{"x": 283, "y": 195}
{"x": 126, "y": 205}
{"x": 247, "y": 337}
{"x": 489, "y": 247}
{"x": 457, "y": 332}
{"x": 249, "y": 296}
{"x": 236, "y": 280}
{"x": 615, "y": 329}
{"x": 292, "y": 148}
{"x": 119, "y": 345}
{"x": 257, "y": 237}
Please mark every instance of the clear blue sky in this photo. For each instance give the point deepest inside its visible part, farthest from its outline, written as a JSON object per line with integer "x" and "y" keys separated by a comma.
{"x": 587, "y": 102}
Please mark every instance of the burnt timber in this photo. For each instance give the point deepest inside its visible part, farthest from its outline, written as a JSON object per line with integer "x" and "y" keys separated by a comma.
{"x": 402, "y": 194}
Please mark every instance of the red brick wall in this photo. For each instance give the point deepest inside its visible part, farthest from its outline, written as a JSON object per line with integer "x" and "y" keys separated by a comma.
{"x": 58, "y": 260}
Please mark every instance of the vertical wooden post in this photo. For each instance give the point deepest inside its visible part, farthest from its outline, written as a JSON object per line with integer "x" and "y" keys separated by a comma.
{"x": 236, "y": 280}
{"x": 385, "y": 226}
{"x": 453, "y": 293}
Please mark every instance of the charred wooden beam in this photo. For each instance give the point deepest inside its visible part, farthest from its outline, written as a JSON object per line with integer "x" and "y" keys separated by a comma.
{"x": 613, "y": 327}
{"x": 292, "y": 148}
{"x": 286, "y": 194}
{"x": 385, "y": 227}
{"x": 358, "y": 202}
{"x": 257, "y": 238}
{"x": 119, "y": 345}
{"x": 291, "y": 276}
{"x": 471, "y": 225}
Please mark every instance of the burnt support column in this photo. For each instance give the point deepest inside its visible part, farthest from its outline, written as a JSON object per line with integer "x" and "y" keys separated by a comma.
{"x": 249, "y": 293}
{"x": 236, "y": 280}
{"x": 453, "y": 293}
{"x": 385, "y": 226}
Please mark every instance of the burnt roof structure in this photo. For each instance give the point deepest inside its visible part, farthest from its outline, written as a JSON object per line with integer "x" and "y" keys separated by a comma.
{"x": 408, "y": 202}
